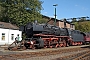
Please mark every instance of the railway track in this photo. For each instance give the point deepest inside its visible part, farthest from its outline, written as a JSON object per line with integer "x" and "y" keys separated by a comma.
{"x": 79, "y": 56}
{"x": 25, "y": 55}
{"x": 84, "y": 56}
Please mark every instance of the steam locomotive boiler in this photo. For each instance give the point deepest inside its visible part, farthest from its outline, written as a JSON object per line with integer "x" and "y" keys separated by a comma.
{"x": 34, "y": 28}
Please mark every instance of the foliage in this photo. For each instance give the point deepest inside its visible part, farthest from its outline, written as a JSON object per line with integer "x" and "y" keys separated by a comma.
{"x": 74, "y": 20}
{"x": 83, "y": 26}
{"x": 20, "y": 12}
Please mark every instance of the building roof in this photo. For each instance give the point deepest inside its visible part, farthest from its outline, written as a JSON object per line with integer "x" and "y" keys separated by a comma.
{"x": 43, "y": 16}
{"x": 8, "y": 26}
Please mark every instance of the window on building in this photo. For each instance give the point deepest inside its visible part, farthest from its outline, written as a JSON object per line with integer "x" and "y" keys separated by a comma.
{"x": 3, "y": 36}
{"x": 12, "y": 36}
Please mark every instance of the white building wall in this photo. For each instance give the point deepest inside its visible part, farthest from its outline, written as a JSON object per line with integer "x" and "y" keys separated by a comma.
{"x": 8, "y": 33}
{"x": 15, "y": 32}
{"x": 6, "y": 36}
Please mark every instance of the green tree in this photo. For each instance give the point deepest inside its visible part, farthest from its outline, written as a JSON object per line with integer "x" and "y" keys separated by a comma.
{"x": 82, "y": 19}
{"x": 85, "y": 26}
{"x": 74, "y": 20}
{"x": 82, "y": 26}
{"x": 20, "y": 12}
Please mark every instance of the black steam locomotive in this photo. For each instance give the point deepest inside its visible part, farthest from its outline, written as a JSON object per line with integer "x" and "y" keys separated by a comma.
{"x": 45, "y": 35}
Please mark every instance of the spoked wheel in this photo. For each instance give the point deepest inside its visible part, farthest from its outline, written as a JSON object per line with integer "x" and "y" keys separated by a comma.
{"x": 40, "y": 43}
{"x": 61, "y": 44}
{"x": 57, "y": 45}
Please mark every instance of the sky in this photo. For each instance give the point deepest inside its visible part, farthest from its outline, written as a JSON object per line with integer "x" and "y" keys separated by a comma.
{"x": 66, "y": 8}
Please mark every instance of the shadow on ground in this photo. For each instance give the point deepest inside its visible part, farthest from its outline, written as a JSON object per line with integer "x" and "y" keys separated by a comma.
{"x": 86, "y": 47}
